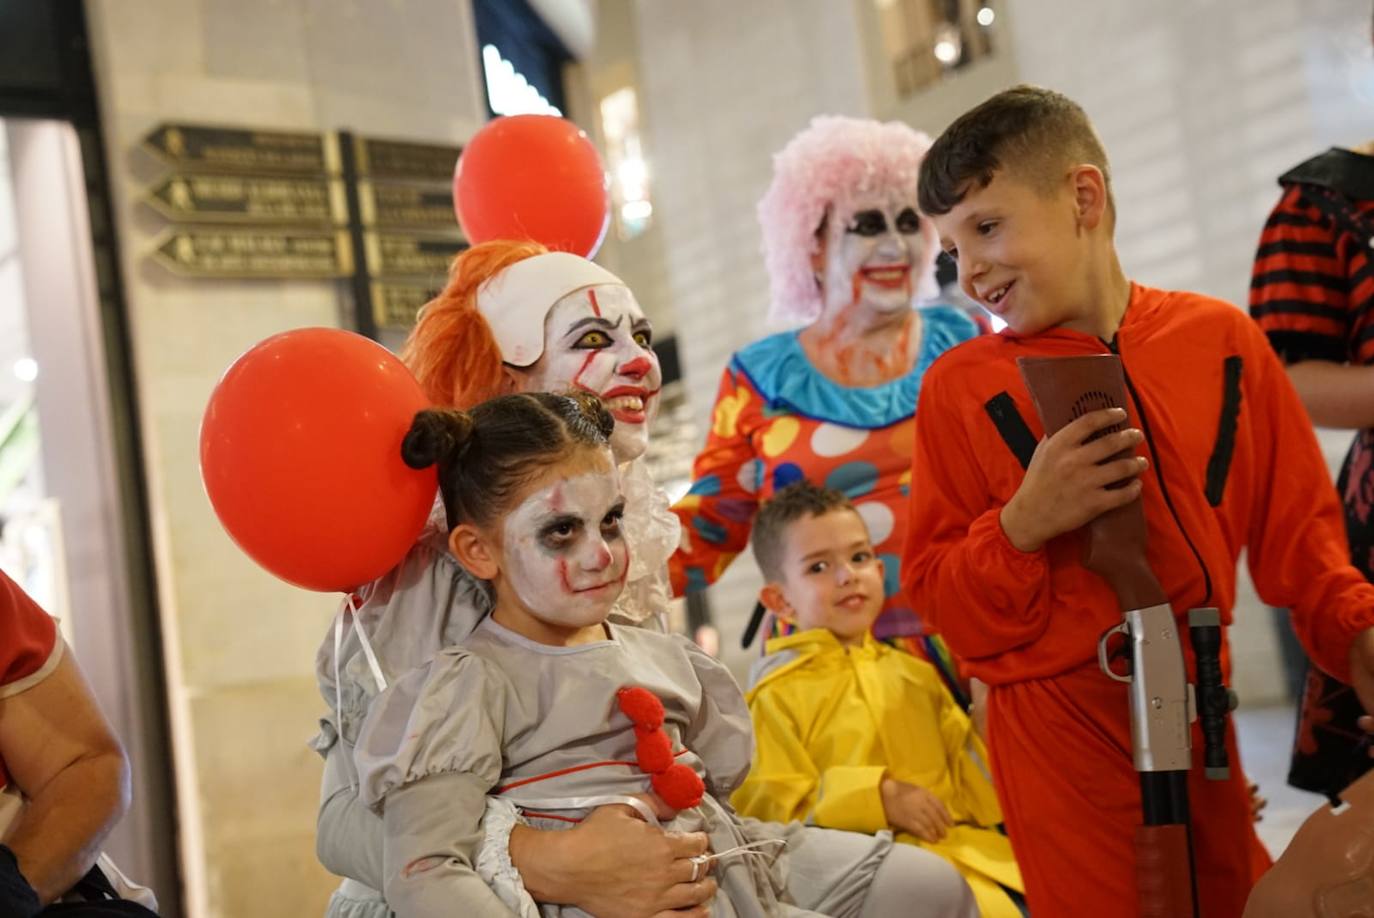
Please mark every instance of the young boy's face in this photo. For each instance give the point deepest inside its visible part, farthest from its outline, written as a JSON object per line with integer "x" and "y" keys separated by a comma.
{"x": 830, "y": 576}
{"x": 1021, "y": 251}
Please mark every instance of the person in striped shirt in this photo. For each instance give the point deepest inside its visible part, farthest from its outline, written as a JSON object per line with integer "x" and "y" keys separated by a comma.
{"x": 1312, "y": 291}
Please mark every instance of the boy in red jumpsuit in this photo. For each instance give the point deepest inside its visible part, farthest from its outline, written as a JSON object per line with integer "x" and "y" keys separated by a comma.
{"x": 1223, "y": 457}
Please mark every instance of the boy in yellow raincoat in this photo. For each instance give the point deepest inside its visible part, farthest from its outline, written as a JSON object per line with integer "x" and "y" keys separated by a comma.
{"x": 852, "y": 734}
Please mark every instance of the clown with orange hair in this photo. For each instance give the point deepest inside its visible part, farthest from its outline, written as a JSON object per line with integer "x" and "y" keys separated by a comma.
{"x": 515, "y": 317}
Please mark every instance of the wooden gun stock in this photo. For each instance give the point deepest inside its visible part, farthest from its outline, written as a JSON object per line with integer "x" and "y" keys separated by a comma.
{"x": 1064, "y": 389}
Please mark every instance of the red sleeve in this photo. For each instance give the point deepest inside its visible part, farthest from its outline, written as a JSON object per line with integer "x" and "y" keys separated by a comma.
{"x": 1296, "y": 544}
{"x": 28, "y": 639}
{"x": 1311, "y": 288}
{"x": 976, "y": 589}
{"x": 717, "y": 514}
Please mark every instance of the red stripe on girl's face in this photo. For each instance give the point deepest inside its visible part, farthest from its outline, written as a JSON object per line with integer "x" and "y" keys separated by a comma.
{"x": 591, "y": 296}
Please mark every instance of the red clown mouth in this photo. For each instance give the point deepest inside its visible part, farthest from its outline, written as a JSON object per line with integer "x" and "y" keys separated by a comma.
{"x": 890, "y": 277}
{"x": 628, "y": 404}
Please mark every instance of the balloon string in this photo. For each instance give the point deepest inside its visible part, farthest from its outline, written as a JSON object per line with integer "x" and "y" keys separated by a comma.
{"x": 750, "y": 848}
{"x": 348, "y": 610}
{"x": 367, "y": 645}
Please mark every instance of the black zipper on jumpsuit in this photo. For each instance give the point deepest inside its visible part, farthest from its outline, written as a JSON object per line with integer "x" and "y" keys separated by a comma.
{"x": 1159, "y": 469}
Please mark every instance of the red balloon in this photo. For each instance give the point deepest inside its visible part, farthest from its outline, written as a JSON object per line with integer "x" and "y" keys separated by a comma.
{"x": 300, "y": 452}
{"x": 532, "y": 177}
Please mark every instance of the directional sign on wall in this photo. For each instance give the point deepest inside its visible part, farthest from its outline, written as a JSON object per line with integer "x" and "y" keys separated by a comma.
{"x": 249, "y": 199}
{"x": 244, "y": 150}
{"x": 406, "y": 254}
{"x": 397, "y": 159}
{"x": 390, "y": 204}
{"x": 206, "y": 252}
{"x": 245, "y": 203}
{"x": 397, "y": 305}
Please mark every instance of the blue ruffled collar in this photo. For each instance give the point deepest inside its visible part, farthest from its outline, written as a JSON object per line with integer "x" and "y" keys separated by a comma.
{"x": 781, "y": 372}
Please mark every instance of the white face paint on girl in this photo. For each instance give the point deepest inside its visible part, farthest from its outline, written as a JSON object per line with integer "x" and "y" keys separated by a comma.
{"x": 562, "y": 550}
{"x": 877, "y": 249}
{"x": 598, "y": 339}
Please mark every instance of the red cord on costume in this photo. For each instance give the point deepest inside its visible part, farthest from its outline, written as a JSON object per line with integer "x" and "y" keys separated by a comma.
{"x": 676, "y": 784}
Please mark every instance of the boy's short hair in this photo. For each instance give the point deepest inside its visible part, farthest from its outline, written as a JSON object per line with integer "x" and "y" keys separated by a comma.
{"x": 798, "y": 500}
{"x": 1032, "y": 131}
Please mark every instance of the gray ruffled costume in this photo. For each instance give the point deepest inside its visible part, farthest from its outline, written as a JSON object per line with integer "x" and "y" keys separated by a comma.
{"x": 539, "y": 726}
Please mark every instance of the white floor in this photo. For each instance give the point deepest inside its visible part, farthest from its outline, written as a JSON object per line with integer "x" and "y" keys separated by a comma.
{"x": 1266, "y": 738}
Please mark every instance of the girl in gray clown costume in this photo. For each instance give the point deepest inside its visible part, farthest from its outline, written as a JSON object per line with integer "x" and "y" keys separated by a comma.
{"x": 516, "y": 318}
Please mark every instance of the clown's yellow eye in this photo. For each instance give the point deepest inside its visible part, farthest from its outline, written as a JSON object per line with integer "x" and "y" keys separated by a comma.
{"x": 644, "y": 339}
{"x": 594, "y": 339}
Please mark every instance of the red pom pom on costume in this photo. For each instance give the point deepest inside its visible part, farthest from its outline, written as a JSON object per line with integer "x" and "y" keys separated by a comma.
{"x": 641, "y": 706}
{"x": 679, "y": 787}
{"x": 676, "y": 784}
{"x": 654, "y": 752}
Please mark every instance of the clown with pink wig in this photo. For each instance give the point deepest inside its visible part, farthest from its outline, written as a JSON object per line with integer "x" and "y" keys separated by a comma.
{"x": 833, "y": 401}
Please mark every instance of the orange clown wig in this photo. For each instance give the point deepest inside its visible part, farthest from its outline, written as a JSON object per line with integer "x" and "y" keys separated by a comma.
{"x": 452, "y": 350}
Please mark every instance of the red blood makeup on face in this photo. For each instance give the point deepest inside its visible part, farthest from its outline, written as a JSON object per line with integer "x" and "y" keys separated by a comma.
{"x": 876, "y": 245}
{"x": 562, "y": 550}
{"x": 599, "y": 340}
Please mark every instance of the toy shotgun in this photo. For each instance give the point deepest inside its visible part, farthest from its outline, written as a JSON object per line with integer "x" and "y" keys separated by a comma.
{"x": 1161, "y": 699}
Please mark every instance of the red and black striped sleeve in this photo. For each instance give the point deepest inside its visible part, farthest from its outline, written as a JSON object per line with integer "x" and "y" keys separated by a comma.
{"x": 1312, "y": 287}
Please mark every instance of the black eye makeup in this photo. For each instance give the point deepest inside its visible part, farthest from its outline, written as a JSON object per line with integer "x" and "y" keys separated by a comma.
{"x": 610, "y": 523}
{"x": 559, "y": 532}
{"x": 908, "y": 221}
{"x": 867, "y": 223}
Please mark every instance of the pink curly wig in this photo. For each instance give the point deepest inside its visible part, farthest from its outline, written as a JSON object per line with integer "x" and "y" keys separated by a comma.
{"x": 835, "y": 157}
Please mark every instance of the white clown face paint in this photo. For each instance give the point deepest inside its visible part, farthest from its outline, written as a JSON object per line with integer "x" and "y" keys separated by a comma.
{"x": 597, "y": 339}
{"x": 877, "y": 249}
{"x": 562, "y": 550}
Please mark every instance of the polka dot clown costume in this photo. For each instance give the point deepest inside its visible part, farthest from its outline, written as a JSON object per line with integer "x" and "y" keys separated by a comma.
{"x": 844, "y": 247}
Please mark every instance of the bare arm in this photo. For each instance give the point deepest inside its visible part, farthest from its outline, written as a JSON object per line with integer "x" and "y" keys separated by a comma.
{"x": 1338, "y": 395}
{"x": 615, "y": 865}
{"x": 62, "y": 754}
